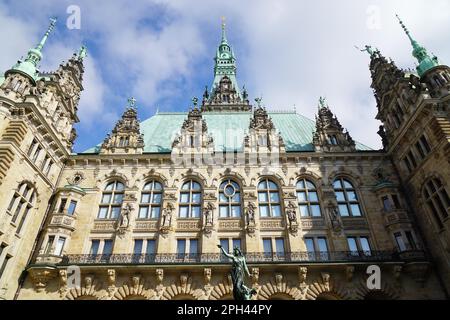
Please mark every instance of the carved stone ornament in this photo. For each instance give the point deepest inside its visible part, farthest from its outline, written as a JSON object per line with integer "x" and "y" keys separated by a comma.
{"x": 208, "y": 224}
{"x": 166, "y": 218}
{"x": 40, "y": 277}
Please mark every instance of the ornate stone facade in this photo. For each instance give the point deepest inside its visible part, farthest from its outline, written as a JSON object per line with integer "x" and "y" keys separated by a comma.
{"x": 124, "y": 223}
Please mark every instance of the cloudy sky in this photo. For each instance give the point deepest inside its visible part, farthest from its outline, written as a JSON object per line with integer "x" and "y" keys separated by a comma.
{"x": 161, "y": 52}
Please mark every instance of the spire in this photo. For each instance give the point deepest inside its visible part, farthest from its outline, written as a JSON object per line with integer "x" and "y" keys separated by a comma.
{"x": 224, "y": 36}
{"x": 420, "y": 53}
{"x": 34, "y": 56}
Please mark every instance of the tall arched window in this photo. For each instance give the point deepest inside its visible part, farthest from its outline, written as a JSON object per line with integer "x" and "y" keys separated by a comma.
{"x": 21, "y": 204}
{"x": 111, "y": 202}
{"x": 437, "y": 200}
{"x": 190, "y": 200}
{"x": 308, "y": 199}
{"x": 269, "y": 199}
{"x": 151, "y": 198}
{"x": 229, "y": 199}
{"x": 346, "y": 197}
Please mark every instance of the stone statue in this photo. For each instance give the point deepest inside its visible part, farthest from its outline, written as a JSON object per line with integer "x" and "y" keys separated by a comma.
{"x": 167, "y": 215}
{"x": 124, "y": 218}
{"x": 250, "y": 213}
{"x": 238, "y": 271}
{"x": 208, "y": 214}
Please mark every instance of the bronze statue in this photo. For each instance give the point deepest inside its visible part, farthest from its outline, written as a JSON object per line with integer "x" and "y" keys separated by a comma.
{"x": 238, "y": 271}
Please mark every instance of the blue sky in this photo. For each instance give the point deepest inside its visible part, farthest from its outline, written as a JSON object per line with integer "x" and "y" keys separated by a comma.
{"x": 161, "y": 52}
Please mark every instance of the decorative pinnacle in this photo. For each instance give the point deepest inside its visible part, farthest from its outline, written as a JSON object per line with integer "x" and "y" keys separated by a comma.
{"x": 82, "y": 53}
{"x": 47, "y": 33}
{"x": 132, "y": 102}
{"x": 258, "y": 101}
{"x": 195, "y": 102}
{"x": 224, "y": 38}
{"x": 322, "y": 103}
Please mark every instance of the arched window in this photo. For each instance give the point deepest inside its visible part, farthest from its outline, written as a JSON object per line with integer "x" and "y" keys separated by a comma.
{"x": 190, "y": 200}
{"x": 308, "y": 199}
{"x": 151, "y": 198}
{"x": 346, "y": 197}
{"x": 111, "y": 202}
{"x": 229, "y": 200}
{"x": 437, "y": 200}
{"x": 269, "y": 199}
{"x": 21, "y": 204}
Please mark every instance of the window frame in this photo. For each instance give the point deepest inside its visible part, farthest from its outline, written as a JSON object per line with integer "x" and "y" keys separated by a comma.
{"x": 347, "y": 201}
{"x": 230, "y": 204}
{"x": 308, "y": 202}
{"x": 269, "y": 204}
{"x": 111, "y": 205}
{"x": 189, "y": 205}
{"x": 151, "y": 192}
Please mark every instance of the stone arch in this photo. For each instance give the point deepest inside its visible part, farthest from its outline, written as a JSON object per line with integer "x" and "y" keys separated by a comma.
{"x": 280, "y": 181}
{"x": 182, "y": 290}
{"x": 304, "y": 173}
{"x": 152, "y": 175}
{"x": 113, "y": 175}
{"x": 221, "y": 290}
{"x": 190, "y": 174}
{"x": 273, "y": 290}
{"x": 233, "y": 175}
{"x": 353, "y": 177}
{"x": 82, "y": 293}
{"x": 386, "y": 290}
{"x": 137, "y": 292}
{"x": 326, "y": 290}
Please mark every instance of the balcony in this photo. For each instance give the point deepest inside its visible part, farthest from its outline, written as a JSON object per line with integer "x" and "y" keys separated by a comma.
{"x": 253, "y": 258}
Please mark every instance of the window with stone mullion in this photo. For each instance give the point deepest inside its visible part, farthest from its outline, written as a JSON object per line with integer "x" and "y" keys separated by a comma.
{"x": 269, "y": 199}
{"x": 347, "y": 198}
{"x": 151, "y": 198}
{"x": 111, "y": 201}
{"x": 229, "y": 200}
{"x": 308, "y": 199}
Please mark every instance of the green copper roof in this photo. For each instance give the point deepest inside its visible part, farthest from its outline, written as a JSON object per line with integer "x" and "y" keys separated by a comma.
{"x": 34, "y": 56}
{"x": 420, "y": 53}
{"x": 228, "y": 130}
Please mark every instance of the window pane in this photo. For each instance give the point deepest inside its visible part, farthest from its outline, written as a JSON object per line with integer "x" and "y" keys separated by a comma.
{"x": 195, "y": 213}
{"x": 301, "y": 184}
{"x": 72, "y": 207}
{"x": 223, "y": 211}
{"x": 364, "y": 244}
{"x": 340, "y": 196}
{"x": 193, "y": 246}
{"x": 355, "y": 210}
{"x": 352, "y": 244}
{"x": 316, "y": 210}
{"x": 337, "y": 184}
{"x": 102, "y": 212}
{"x": 156, "y": 198}
{"x": 119, "y": 186}
{"x": 301, "y": 196}
{"x": 186, "y": 186}
{"x": 304, "y": 210}
{"x": 279, "y": 243}
{"x": 118, "y": 198}
{"x": 138, "y": 246}
{"x": 313, "y": 196}
{"x": 107, "y": 247}
{"x": 184, "y": 198}
{"x": 151, "y": 246}
{"x": 262, "y": 197}
{"x": 237, "y": 243}
{"x": 224, "y": 244}
{"x": 60, "y": 246}
{"x": 110, "y": 186}
{"x": 196, "y": 197}
{"x": 181, "y": 246}
{"x": 236, "y": 211}
{"x": 343, "y": 210}
{"x": 222, "y": 197}
{"x": 115, "y": 212}
{"x": 155, "y": 212}
{"x": 352, "y": 196}
{"x": 106, "y": 198}
{"x": 347, "y": 184}
{"x": 322, "y": 243}
{"x": 267, "y": 245}
{"x": 264, "y": 211}
{"x": 94, "y": 246}
{"x": 157, "y": 186}
{"x": 272, "y": 186}
{"x": 143, "y": 212}
{"x": 145, "y": 198}
{"x": 400, "y": 243}
{"x": 262, "y": 185}
{"x": 274, "y": 197}
{"x": 195, "y": 186}
{"x": 310, "y": 185}
{"x": 276, "y": 211}
{"x": 309, "y": 242}
{"x": 236, "y": 197}
{"x": 148, "y": 186}
{"x": 184, "y": 212}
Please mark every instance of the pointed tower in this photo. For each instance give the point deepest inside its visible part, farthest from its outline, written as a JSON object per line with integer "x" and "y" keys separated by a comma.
{"x": 225, "y": 94}
{"x": 329, "y": 135}
{"x": 29, "y": 66}
{"x": 429, "y": 68}
{"x": 126, "y": 136}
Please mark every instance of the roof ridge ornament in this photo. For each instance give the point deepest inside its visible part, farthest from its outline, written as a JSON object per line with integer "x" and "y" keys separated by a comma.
{"x": 132, "y": 103}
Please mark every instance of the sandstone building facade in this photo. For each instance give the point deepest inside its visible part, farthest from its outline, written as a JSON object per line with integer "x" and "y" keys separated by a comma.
{"x": 140, "y": 215}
